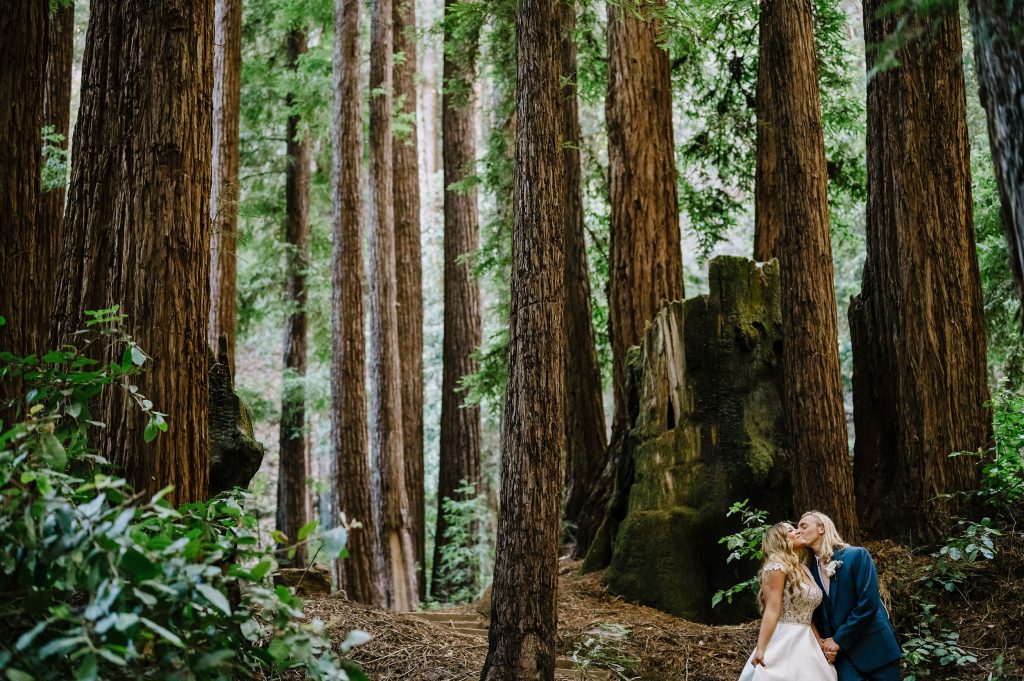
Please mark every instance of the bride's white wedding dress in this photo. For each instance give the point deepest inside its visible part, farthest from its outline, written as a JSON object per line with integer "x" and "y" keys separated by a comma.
{"x": 793, "y": 653}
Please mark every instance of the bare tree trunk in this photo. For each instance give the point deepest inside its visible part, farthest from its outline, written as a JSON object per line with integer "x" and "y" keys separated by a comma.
{"x": 919, "y": 374}
{"x": 646, "y": 260}
{"x": 387, "y": 444}
{"x": 585, "y": 425}
{"x": 359, "y": 574}
{"x": 137, "y": 227}
{"x": 26, "y": 289}
{"x": 409, "y": 268}
{"x": 815, "y": 419}
{"x": 999, "y": 59}
{"x": 766, "y": 193}
{"x": 463, "y": 330}
{"x": 524, "y": 616}
{"x": 227, "y": 84}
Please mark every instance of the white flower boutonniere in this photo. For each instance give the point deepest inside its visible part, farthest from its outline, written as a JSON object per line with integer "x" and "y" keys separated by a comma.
{"x": 831, "y": 567}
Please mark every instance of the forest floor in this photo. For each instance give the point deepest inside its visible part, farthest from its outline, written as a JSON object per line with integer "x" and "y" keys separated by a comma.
{"x": 608, "y": 638}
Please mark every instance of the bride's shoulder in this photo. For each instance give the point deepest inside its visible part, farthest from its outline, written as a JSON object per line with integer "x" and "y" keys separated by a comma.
{"x": 769, "y": 567}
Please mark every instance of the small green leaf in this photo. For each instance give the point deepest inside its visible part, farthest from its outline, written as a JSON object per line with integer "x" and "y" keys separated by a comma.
{"x": 172, "y": 638}
{"x": 138, "y": 356}
{"x": 215, "y": 597}
{"x": 52, "y": 451}
{"x": 17, "y": 674}
{"x": 138, "y": 566}
{"x": 356, "y": 637}
{"x": 307, "y": 528}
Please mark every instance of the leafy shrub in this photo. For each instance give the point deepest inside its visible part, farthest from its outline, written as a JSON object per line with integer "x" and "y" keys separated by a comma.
{"x": 744, "y": 544}
{"x": 100, "y": 582}
{"x": 464, "y": 555}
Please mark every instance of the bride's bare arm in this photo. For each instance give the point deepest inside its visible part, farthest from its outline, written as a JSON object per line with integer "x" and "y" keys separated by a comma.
{"x": 772, "y": 584}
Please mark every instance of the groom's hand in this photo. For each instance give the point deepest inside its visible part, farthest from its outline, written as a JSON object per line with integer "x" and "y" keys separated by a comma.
{"x": 830, "y": 648}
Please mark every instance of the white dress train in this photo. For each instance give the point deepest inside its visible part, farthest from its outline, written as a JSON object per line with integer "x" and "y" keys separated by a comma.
{"x": 793, "y": 653}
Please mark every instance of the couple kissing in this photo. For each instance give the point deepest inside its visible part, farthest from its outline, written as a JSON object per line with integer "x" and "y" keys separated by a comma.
{"x": 822, "y": 616}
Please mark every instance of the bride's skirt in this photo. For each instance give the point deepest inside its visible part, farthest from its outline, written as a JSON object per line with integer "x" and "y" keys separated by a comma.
{"x": 792, "y": 655}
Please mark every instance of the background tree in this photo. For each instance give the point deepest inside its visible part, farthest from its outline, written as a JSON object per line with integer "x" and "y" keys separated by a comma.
{"x": 815, "y": 419}
{"x": 919, "y": 375}
{"x": 227, "y": 84}
{"x": 523, "y": 615}
{"x": 409, "y": 268}
{"x": 460, "y": 425}
{"x": 999, "y": 59}
{"x": 292, "y": 497}
{"x": 585, "y": 426}
{"x": 122, "y": 217}
{"x": 24, "y": 300}
{"x": 359, "y": 574}
{"x": 645, "y": 256}
{"x": 766, "y": 193}
{"x": 386, "y": 407}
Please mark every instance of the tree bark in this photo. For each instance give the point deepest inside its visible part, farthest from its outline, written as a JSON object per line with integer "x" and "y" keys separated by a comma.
{"x": 524, "y": 616}
{"x": 25, "y": 292}
{"x": 999, "y": 60}
{"x": 359, "y": 574}
{"x": 919, "y": 375}
{"x": 227, "y": 83}
{"x": 387, "y": 445}
{"x": 812, "y": 387}
{"x": 137, "y": 225}
{"x": 766, "y": 193}
{"x": 645, "y": 255}
{"x": 292, "y": 498}
{"x": 409, "y": 268}
{"x": 463, "y": 330}
{"x": 585, "y": 425}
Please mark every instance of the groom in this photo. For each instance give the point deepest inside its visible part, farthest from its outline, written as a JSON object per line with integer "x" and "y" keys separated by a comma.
{"x": 859, "y": 638}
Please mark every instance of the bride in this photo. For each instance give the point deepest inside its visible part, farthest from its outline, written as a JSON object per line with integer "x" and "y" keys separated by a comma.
{"x": 788, "y": 645}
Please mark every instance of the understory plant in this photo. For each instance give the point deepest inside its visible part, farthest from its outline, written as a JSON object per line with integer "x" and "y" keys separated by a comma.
{"x": 100, "y": 582}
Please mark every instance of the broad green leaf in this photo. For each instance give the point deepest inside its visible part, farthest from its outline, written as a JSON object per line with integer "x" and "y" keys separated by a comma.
{"x": 138, "y": 356}
{"x": 215, "y": 597}
{"x": 170, "y": 637}
{"x": 307, "y": 528}
{"x": 138, "y": 566}
{"x": 52, "y": 451}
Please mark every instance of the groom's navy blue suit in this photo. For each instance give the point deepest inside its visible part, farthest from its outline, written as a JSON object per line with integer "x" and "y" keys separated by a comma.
{"x": 853, "y": 616}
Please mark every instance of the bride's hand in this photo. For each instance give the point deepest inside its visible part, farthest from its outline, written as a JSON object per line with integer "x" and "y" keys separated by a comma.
{"x": 758, "y": 658}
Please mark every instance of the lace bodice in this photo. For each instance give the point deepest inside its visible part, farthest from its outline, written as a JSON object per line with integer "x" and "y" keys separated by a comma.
{"x": 798, "y": 608}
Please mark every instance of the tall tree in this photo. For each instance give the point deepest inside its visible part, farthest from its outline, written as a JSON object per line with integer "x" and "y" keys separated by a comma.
{"x": 645, "y": 255}
{"x": 524, "y": 616}
{"x": 766, "y": 195}
{"x": 463, "y": 331}
{"x": 999, "y": 60}
{"x": 409, "y": 268}
{"x": 359, "y": 574}
{"x": 227, "y": 85}
{"x": 815, "y": 418}
{"x": 137, "y": 225}
{"x": 585, "y": 425}
{"x": 292, "y": 498}
{"x": 919, "y": 373}
{"x": 386, "y": 432}
{"x": 23, "y": 293}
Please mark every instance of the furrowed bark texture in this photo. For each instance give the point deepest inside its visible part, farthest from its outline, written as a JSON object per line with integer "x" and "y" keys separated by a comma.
{"x": 292, "y": 497}
{"x": 359, "y": 575}
{"x": 918, "y": 330}
{"x": 524, "y": 617}
{"x": 227, "y": 84}
{"x": 409, "y": 268}
{"x": 460, "y": 426}
{"x": 137, "y": 226}
{"x": 386, "y": 441}
{"x": 766, "y": 193}
{"x": 815, "y": 419}
{"x": 585, "y": 425}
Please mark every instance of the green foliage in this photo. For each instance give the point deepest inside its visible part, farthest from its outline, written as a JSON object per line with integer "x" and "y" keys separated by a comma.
{"x": 745, "y": 544}
{"x": 1002, "y": 477}
{"x": 55, "y": 159}
{"x": 923, "y": 650}
{"x": 103, "y": 583}
{"x": 466, "y": 553}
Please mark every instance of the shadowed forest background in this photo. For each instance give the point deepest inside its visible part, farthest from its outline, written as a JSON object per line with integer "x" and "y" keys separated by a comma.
{"x": 505, "y": 311}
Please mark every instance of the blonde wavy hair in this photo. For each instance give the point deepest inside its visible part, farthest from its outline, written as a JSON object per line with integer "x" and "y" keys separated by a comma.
{"x": 776, "y": 548}
{"x": 830, "y": 540}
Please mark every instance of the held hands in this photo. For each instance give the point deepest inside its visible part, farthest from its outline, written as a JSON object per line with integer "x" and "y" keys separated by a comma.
{"x": 830, "y": 648}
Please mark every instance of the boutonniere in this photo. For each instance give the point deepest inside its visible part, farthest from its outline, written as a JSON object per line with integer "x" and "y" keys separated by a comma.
{"x": 831, "y": 567}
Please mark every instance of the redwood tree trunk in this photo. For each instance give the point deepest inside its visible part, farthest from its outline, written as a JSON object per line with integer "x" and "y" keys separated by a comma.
{"x": 815, "y": 418}
{"x": 766, "y": 192}
{"x": 137, "y": 227}
{"x": 463, "y": 331}
{"x": 24, "y": 300}
{"x": 524, "y": 616}
{"x": 919, "y": 375}
{"x": 386, "y": 432}
{"x": 227, "y": 83}
{"x": 999, "y": 59}
{"x": 409, "y": 268}
{"x": 585, "y": 425}
{"x": 292, "y": 512}
{"x": 646, "y": 260}
{"x": 359, "y": 574}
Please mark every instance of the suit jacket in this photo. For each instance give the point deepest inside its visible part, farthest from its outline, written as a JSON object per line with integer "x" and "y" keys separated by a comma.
{"x": 852, "y": 612}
